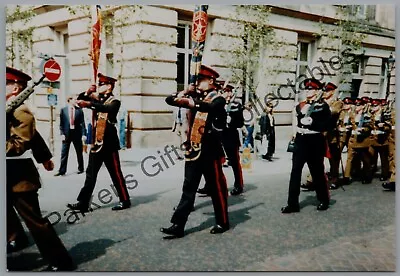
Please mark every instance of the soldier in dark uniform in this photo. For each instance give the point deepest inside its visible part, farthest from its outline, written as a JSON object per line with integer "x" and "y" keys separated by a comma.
{"x": 106, "y": 145}
{"x": 230, "y": 140}
{"x": 204, "y": 154}
{"x": 312, "y": 120}
{"x": 22, "y": 188}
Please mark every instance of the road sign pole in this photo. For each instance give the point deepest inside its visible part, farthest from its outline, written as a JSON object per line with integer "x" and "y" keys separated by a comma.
{"x": 52, "y": 130}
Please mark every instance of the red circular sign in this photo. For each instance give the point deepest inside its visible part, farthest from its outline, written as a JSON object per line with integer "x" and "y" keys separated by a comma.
{"x": 52, "y": 70}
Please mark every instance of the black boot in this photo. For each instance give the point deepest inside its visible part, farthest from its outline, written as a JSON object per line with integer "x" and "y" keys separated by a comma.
{"x": 218, "y": 229}
{"x": 203, "y": 191}
{"x": 389, "y": 186}
{"x": 122, "y": 205}
{"x": 290, "y": 209}
{"x": 323, "y": 206}
{"x": 236, "y": 191}
{"x": 79, "y": 206}
{"x": 175, "y": 230}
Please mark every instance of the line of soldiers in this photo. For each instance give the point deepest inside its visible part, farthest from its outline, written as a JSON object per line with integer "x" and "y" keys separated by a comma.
{"x": 366, "y": 127}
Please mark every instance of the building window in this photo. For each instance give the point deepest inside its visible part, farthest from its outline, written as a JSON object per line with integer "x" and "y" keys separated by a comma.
{"x": 359, "y": 11}
{"x": 371, "y": 12}
{"x": 110, "y": 64}
{"x": 383, "y": 78}
{"x": 305, "y": 53}
{"x": 184, "y": 54}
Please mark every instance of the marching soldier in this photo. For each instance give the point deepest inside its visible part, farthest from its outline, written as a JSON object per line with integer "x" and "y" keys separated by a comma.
{"x": 16, "y": 237}
{"x": 204, "y": 153}
{"x": 360, "y": 141}
{"x": 391, "y": 115}
{"x": 105, "y": 149}
{"x": 312, "y": 120}
{"x": 332, "y": 135}
{"x": 22, "y": 188}
{"x": 230, "y": 140}
{"x": 379, "y": 138}
{"x": 344, "y": 124}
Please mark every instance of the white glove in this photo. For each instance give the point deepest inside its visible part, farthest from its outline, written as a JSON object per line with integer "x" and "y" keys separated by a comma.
{"x": 228, "y": 119}
{"x": 305, "y": 108}
{"x": 63, "y": 138}
{"x": 306, "y": 121}
{"x": 84, "y": 139}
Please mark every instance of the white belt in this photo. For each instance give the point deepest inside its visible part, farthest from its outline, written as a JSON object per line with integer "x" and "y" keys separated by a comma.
{"x": 306, "y": 131}
{"x": 355, "y": 132}
{"x": 27, "y": 154}
{"x": 376, "y": 132}
{"x": 393, "y": 127}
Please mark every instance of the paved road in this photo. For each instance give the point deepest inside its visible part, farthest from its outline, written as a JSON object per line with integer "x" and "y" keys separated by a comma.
{"x": 356, "y": 234}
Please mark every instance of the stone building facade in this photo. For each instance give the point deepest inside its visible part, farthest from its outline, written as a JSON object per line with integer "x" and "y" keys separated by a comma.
{"x": 148, "y": 49}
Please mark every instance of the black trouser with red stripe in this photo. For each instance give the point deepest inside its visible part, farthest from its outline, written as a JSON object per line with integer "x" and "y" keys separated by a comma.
{"x": 215, "y": 179}
{"x": 232, "y": 152}
{"x": 310, "y": 149}
{"x": 111, "y": 160}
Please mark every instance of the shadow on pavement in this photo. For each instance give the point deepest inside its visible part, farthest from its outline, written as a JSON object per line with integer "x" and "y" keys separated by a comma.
{"x": 137, "y": 200}
{"x": 313, "y": 201}
{"x": 232, "y": 200}
{"x": 235, "y": 217}
{"x": 86, "y": 251}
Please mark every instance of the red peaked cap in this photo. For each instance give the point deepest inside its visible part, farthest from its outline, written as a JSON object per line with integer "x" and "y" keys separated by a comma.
{"x": 329, "y": 87}
{"x": 383, "y": 101}
{"x": 348, "y": 100}
{"x": 366, "y": 99}
{"x": 208, "y": 72}
{"x": 15, "y": 75}
{"x": 375, "y": 102}
{"x": 311, "y": 84}
{"x": 105, "y": 79}
{"x": 221, "y": 83}
{"x": 358, "y": 101}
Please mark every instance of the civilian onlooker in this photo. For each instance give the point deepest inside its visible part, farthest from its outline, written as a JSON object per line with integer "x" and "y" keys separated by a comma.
{"x": 249, "y": 121}
{"x": 122, "y": 126}
{"x": 73, "y": 130}
{"x": 267, "y": 126}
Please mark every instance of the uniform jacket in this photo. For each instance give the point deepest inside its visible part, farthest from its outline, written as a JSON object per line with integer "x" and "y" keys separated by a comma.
{"x": 362, "y": 140}
{"x": 380, "y": 139}
{"x": 24, "y": 137}
{"x": 320, "y": 117}
{"x": 216, "y": 121}
{"x": 333, "y": 134}
{"x": 111, "y": 107}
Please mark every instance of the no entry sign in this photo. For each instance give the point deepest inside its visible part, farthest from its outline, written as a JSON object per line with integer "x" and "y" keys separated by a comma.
{"x": 52, "y": 70}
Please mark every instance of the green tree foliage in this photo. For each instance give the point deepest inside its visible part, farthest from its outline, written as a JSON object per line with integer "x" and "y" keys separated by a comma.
{"x": 19, "y": 41}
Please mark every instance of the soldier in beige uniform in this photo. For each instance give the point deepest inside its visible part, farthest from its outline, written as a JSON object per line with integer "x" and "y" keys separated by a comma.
{"x": 332, "y": 135}
{"x": 390, "y": 114}
{"x": 360, "y": 141}
{"x": 379, "y": 138}
{"x": 344, "y": 124}
{"x": 22, "y": 188}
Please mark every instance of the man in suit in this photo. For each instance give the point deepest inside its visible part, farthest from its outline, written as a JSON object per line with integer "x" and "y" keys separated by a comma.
{"x": 106, "y": 146}
{"x": 22, "y": 188}
{"x": 73, "y": 130}
{"x": 267, "y": 128}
